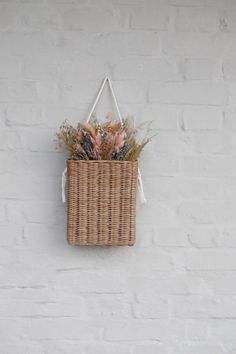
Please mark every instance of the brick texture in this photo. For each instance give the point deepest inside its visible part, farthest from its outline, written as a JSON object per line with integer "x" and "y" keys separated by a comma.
{"x": 172, "y": 62}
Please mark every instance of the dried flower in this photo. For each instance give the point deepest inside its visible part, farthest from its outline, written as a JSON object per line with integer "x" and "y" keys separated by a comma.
{"x": 119, "y": 141}
{"x": 105, "y": 141}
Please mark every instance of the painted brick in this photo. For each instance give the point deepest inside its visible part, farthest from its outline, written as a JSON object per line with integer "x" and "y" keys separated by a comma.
{"x": 10, "y": 67}
{"x": 212, "y": 142}
{"x": 199, "y": 348}
{"x": 209, "y": 166}
{"x": 138, "y": 330}
{"x": 150, "y": 307}
{"x": 228, "y": 18}
{"x": 145, "y": 68}
{"x": 203, "y": 307}
{"x": 132, "y": 43}
{"x": 229, "y": 69}
{"x": 230, "y": 121}
{"x": 201, "y": 69}
{"x": 205, "y": 237}
{"x": 98, "y": 18}
{"x": 171, "y": 237}
{"x": 162, "y": 118}
{"x": 196, "y": 45}
{"x": 202, "y": 118}
{"x": 211, "y": 260}
{"x": 23, "y": 114}
{"x": 229, "y": 237}
{"x": 189, "y": 93}
{"x": 215, "y": 326}
{"x": 206, "y": 212}
{"x": 4, "y": 90}
{"x": 150, "y": 348}
{"x": 196, "y": 19}
{"x": 150, "y": 17}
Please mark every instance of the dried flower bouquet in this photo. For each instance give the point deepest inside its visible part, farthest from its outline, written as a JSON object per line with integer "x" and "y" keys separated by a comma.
{"x": 110, "y": 140}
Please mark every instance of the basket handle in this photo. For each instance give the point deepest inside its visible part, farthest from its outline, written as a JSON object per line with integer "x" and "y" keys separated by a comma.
{"x": 106, "y": 80}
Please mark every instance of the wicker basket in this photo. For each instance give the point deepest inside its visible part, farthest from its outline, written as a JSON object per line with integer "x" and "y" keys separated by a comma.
{"x": 101, "y": 202}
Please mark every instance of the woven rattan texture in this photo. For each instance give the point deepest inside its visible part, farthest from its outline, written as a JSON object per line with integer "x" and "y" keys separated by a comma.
{"x": 101, "y": 202}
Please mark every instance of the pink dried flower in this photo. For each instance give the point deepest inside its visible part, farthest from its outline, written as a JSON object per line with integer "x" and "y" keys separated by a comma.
{"x": 119, "y": 141}
{"x": 97, "y": 141}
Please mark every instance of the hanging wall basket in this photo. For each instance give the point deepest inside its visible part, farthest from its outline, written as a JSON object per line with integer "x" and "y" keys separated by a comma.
{"x": 101, "y": 192}
{"x": 101, "y": 198}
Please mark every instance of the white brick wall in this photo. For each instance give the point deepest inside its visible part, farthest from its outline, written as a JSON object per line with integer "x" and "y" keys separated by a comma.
{"x": 173, "y": 62}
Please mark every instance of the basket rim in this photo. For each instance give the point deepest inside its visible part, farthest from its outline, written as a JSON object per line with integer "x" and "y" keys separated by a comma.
{"x": 101, "y": 161}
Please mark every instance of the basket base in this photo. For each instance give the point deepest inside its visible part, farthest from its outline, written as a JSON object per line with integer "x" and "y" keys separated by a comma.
{"x": 111, "y": 244}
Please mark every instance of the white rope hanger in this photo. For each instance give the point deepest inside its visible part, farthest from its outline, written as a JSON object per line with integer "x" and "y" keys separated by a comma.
{"x": 99, "y": 95}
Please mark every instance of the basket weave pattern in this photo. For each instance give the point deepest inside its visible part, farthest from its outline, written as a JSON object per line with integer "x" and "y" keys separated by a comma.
{"x": 101, "y": 202}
